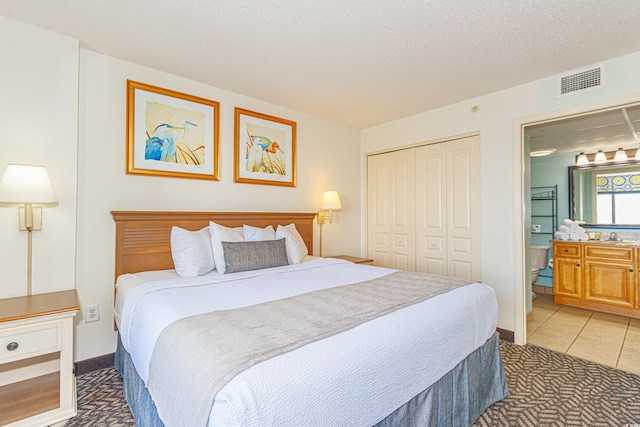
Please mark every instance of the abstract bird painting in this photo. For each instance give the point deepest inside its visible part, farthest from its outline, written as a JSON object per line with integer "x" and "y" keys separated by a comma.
{"x": 265, "y": 149}
{"x": 172, "y": 142}
{"x": 264, "y": 155}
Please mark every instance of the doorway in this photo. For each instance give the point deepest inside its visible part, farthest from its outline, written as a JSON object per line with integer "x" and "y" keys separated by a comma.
{"x": 559, "y": 139}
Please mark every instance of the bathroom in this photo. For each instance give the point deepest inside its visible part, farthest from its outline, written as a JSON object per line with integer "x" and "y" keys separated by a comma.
{"x": 559, "y": 188}
{"x": 546, "y": 173}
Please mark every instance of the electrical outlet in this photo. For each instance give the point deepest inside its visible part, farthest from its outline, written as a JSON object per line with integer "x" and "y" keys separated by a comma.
{"x": 91, "y": 313}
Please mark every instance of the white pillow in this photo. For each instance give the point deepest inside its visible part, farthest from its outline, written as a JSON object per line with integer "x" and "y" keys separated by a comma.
{"x": 296, "y": 249}
{"x": 256, "y": 234}
{"x": 191, "y": 251}
{"x": 219, "y": 234}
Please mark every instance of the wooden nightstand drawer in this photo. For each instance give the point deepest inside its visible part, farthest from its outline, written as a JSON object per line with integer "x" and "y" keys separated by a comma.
{"x": 24, "y": 342}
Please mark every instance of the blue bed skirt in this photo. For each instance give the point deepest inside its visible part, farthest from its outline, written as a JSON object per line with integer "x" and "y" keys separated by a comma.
{"x": 457, "y": 399}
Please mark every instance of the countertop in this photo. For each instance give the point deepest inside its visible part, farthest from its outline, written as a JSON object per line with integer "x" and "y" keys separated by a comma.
{"x": 602, "y": 242}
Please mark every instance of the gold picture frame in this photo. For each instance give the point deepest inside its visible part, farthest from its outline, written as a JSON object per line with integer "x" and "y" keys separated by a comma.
{"x": 171, "y": 134}
{"x": 265, "y": 149}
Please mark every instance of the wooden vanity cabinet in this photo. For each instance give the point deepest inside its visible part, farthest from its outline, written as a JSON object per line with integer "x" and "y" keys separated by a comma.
{"x": 609, "y": 275}
{"x": 567, "y": 270}
{"x": 596, "y": 276}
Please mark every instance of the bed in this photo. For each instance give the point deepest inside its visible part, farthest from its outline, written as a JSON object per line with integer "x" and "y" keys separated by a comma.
{"x": 434, "y": 361}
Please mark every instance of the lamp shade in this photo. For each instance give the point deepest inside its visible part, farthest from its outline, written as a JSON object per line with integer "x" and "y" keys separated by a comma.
{"x": 600, "y": 157}
{"x": 582, "y": 159}
{"x": 26, "y": 184}
{"x": 621, "y": 156}
{"x": 331, "y": 201}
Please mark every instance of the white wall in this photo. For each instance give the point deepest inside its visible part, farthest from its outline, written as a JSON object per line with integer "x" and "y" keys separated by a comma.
{"x": 326, "y": 155}
{"x": 65, "y": 108}
{"x": 497, "y": 115}
{"x": 38, "y": 125}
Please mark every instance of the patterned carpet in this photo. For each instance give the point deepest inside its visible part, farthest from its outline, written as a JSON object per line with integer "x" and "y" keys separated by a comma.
{"x": 548, "y": 389}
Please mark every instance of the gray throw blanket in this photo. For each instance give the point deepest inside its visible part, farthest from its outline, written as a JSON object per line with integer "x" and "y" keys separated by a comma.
{"x": 195, "y": 357}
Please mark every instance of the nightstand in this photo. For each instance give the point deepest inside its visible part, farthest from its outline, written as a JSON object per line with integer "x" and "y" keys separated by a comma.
{"x": 354, "y": 259}
{"x": 37, "y": 383}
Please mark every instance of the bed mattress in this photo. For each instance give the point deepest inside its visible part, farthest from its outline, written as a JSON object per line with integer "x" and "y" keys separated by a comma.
{"x": 357, "y": 377}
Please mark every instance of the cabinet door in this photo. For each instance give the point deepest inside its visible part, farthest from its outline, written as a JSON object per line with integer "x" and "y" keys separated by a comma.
{"x": 610, "y": 283}
{"x": 567, "y": 277}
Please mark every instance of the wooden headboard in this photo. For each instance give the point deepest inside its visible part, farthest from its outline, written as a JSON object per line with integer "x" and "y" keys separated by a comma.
{"x": 143, "y": 238}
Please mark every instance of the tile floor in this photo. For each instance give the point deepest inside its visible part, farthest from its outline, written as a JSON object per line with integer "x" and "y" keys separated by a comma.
{"x": 600, "y": 337}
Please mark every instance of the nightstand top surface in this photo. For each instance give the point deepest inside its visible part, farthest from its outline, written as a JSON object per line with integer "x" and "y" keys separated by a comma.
{"x": 38, "y": 305}
{"x": 355, "y": 259}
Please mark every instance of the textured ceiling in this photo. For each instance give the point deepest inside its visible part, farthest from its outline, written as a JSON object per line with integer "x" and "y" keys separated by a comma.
{"x": 359, "y": 62}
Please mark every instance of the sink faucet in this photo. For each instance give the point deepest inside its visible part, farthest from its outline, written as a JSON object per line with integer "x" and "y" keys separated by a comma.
{"x": 613, "y": 237}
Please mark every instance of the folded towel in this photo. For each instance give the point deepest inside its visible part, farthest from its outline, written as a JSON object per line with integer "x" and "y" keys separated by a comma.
{"x": 574, "y": 236}
{"x": 561, "y": 236}
{"x": 584, "y": 238}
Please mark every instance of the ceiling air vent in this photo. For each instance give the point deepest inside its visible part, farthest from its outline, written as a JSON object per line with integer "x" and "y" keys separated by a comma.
{"x": 581, "y": 80}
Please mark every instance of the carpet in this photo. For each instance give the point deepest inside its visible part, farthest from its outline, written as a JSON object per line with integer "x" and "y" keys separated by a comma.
{"x": 547, "y": 389}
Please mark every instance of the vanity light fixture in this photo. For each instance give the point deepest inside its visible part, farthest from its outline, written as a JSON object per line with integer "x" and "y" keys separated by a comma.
{"x": 620, "y": 156}
{"x": 582, "y": 159}
{"x": 600, "y": 157}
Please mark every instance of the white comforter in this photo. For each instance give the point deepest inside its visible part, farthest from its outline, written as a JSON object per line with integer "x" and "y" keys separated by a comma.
{"x": 355, "y": 378}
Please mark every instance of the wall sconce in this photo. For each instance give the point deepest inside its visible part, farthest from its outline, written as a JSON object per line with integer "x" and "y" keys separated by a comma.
{"x": 26, "y": 185}
{"x": 330, "y": 203}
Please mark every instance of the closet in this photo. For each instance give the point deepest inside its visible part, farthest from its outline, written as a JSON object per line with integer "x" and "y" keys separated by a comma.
{"x": 423, "y": 208}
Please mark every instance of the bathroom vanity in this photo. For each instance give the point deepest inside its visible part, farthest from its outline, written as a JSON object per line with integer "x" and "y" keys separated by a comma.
{"x": 597, "y": 275}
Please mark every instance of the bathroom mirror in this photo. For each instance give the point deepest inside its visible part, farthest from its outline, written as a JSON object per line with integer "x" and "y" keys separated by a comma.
{"x": 606, "y": 195}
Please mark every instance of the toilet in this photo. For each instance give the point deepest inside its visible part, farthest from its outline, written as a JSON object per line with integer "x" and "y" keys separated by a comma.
{"x": 539, "y": 256}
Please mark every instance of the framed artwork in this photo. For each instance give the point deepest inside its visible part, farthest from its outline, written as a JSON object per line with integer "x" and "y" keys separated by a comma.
{"x": 171, "y": 134}
{"x": 265, "y": 149}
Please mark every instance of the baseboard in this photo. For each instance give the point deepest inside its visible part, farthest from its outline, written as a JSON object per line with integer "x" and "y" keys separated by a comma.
{"x": 505, "y": 334}
{"x": 94, "y": 364}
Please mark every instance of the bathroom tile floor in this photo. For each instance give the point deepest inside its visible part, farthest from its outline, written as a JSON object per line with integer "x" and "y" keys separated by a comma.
{"x": 600, "y": 337}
